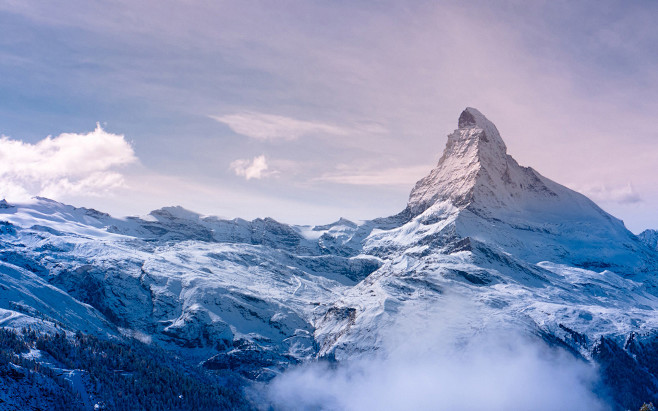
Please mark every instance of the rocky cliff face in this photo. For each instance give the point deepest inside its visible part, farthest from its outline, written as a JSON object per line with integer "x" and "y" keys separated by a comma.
{"x": 474, "y": 161}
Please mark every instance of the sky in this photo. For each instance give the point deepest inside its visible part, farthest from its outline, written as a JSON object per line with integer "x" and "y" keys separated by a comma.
{"x": 306, "y": 111}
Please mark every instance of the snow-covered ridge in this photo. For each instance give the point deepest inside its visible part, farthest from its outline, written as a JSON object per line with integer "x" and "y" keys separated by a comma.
{"x": 650, "y": 238}
{"x": 175, "y": 278}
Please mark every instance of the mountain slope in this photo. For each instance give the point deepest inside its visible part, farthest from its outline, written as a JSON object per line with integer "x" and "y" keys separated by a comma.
{"x": 203, "y": 287}
{"x": 480, "y": 235}
{"x": 512, "y": 246}
{"x": 650, "y": 238}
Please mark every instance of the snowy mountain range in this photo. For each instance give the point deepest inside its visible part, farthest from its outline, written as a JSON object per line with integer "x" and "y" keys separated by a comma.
{"x": 650, "y": 238}
{"x": 480, "y": 234}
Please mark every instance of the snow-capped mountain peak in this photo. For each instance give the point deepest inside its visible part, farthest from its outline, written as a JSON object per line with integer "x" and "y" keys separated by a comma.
{"x": 480, "y": 193}
{"x": 471, "y": 118}
{"x": 475, "y": 170}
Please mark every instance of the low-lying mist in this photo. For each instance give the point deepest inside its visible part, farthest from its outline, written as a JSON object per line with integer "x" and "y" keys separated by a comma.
{"x": 456, "y": 356}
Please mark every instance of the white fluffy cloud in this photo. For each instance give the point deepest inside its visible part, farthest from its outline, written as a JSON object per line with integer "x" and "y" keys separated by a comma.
{"x": 256, "y": 168}
{"x": 77, "y": 164}
{"x": 272, "y": 127}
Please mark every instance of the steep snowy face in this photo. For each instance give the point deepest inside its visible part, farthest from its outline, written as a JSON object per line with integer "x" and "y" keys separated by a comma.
{"x": 475, "y": 172}
{"x": 474, "y": 154}
{"x": 492, "y": 200}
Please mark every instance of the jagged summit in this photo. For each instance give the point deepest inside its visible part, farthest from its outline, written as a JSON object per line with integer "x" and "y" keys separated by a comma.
{"x": 474, "y": 165}
{"x": 492, "y": 199}
{"x": 475, "y": 172}
{"x": 472, "y": 118}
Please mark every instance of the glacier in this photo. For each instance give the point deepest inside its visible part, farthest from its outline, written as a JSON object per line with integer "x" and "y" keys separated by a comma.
{"x": 254, "y": 299}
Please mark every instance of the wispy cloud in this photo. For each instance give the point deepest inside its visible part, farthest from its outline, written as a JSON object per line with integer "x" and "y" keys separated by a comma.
{"x": 273, "y": 127}
{"x": 624, "y": 194}
{"x": 256, "y": 168}
{"x": 400, "y": 176}
{"x": 77, "y": 164}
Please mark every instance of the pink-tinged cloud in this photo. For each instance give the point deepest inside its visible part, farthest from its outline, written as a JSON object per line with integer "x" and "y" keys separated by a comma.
{"x": 69, "y": 164}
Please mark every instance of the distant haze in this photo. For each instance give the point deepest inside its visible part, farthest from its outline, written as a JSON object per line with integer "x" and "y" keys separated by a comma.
{"x": 309, "y": 111}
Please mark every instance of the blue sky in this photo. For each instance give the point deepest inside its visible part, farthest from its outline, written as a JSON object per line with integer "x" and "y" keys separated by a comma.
{"x": 308, "y": 111}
